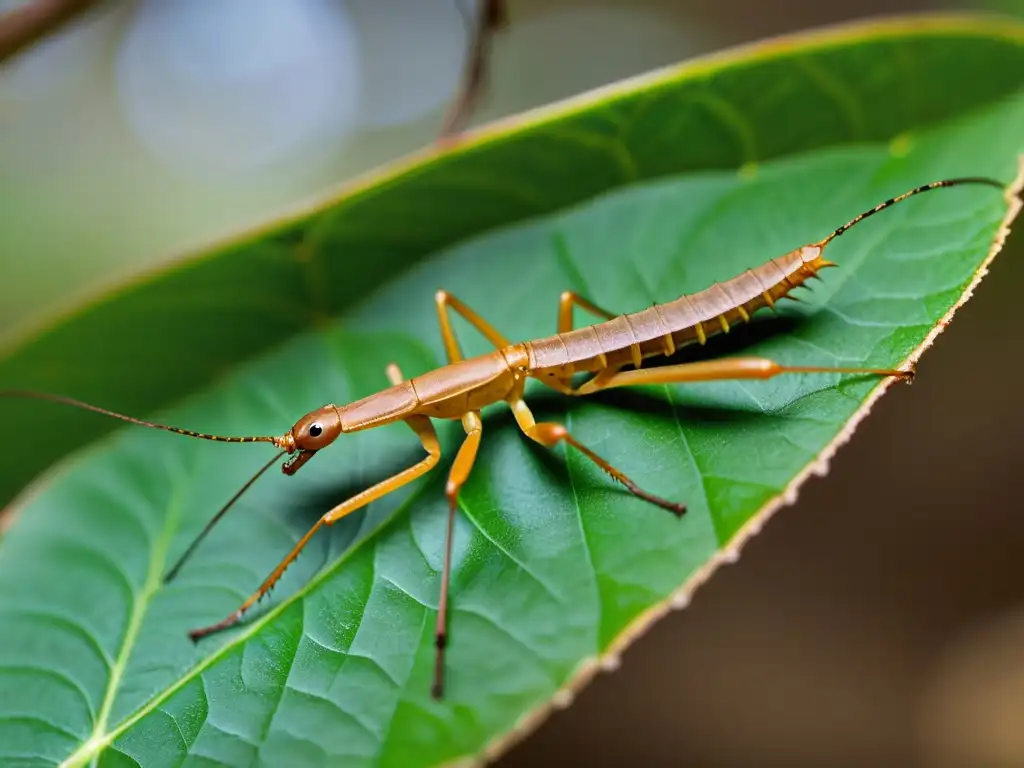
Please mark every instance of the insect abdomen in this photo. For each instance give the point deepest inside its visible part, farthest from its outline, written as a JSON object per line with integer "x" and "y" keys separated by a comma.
{"x": 663, "y": 328}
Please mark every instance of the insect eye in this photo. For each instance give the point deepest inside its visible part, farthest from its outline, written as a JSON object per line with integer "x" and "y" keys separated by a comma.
{"x": 315, "y": 430}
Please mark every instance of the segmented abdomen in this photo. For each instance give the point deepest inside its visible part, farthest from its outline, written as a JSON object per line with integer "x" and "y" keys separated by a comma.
{"x": 663, "y": 328}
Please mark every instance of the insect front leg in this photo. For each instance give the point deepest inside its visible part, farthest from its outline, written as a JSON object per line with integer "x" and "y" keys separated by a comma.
{"x": 461, "y": 467}
{"x": 428, "y": 437}
{"x": 445, "y": 301}
{"x": 457, "y": 477}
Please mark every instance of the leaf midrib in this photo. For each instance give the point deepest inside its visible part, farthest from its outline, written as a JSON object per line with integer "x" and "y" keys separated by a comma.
{"x": 91, "y": 748}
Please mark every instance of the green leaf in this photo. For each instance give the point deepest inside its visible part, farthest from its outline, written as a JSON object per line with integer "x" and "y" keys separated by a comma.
{"x": 629, "y": 198}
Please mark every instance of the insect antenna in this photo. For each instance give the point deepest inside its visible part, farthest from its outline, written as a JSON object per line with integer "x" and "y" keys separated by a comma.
{"x": 32, "y": 394}
{"x": 216, "y": 518}
{"x": 917, "y": 190}
{"x": 279, "y": 442}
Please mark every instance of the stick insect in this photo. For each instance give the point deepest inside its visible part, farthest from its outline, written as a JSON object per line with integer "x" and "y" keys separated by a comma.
{"x": 612, "y": 352}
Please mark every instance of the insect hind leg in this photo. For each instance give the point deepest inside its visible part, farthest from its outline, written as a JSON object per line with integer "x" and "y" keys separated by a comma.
{"x": 724, "y": 369}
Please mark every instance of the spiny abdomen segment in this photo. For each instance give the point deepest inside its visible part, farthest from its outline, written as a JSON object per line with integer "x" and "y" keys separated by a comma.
{"x": 663, "y": 328}
{"x": 716, "y": 309}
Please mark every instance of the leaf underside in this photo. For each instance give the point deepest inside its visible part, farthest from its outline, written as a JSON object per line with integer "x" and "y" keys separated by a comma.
{"x": 552, "y": 561}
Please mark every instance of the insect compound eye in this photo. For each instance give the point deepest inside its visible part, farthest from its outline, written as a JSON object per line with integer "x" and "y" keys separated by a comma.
{"x": 315, "y": 430}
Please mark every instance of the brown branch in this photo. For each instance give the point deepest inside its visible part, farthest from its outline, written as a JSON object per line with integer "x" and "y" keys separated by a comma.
{"x": 490, "y": 18}
{"x": 26, "y": 25}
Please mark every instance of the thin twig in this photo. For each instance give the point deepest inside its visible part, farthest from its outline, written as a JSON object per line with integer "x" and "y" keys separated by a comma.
{"x": 26, "y": 25}
{"x": 491, "y": 17}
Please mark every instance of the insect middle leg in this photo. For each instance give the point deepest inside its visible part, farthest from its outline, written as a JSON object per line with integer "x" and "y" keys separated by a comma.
{"x": 550, "y": 433}
{"x": 428, "y": 437}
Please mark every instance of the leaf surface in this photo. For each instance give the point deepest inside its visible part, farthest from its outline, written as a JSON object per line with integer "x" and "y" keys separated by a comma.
{"x": 629, "y": 200}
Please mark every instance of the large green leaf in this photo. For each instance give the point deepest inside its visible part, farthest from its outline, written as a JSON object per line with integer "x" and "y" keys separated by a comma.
{"x": 554, "y": 567}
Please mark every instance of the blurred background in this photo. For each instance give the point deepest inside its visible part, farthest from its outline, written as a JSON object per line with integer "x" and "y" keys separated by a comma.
{"x": 828, "y": 643}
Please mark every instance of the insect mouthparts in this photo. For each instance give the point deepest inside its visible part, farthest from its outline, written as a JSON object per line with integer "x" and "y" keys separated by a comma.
{"x": 295, "y": 462}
